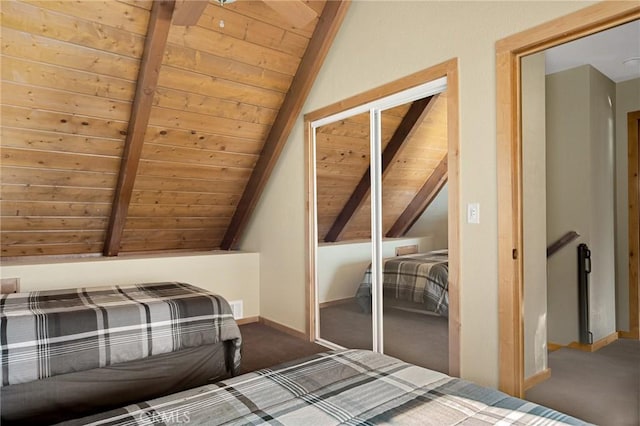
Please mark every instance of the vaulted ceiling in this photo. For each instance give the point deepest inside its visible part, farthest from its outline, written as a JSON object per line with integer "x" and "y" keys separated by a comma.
{"x": 138, "y": 126}
{"x": 123, "y": 131}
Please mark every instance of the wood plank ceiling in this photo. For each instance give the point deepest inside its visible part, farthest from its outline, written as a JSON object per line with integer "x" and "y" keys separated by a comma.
{"x": 74, "y": 77}
{"x": 414, "y": 147}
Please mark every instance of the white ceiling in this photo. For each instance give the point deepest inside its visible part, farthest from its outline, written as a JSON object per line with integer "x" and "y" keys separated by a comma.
{"x": 606, "y": 51}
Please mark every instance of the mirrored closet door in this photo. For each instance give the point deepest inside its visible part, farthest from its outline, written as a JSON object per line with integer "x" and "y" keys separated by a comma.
{"x": 377, "y": 168}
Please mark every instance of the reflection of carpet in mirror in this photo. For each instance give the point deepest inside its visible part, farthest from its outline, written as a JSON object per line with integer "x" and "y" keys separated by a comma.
{"x": 416, "y": 338}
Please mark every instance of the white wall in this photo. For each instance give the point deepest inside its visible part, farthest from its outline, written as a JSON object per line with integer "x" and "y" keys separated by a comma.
{"x": 381, "y": 41}
{"x": 434, "y": 220}
{"x": 534, "y": 202}
{"x": 235, "y": 276}
{"x": 627, "y": 100}
{"x": 341, "y": 266}
{"x": 580, "y": 197}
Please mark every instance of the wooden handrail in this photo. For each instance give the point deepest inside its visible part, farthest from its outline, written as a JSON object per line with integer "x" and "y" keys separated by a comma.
{"x": 561, "y": 242}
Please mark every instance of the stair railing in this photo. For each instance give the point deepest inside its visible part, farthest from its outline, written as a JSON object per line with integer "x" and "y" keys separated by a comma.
{"x": 561, "y": 242}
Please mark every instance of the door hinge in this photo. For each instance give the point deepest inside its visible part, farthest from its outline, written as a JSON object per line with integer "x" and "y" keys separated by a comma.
{"x": 514, "y": 254}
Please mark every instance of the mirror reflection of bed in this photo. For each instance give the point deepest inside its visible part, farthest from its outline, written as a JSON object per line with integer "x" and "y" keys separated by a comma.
{"x": 414, "y": 331}
{"x": 415, "y": 300}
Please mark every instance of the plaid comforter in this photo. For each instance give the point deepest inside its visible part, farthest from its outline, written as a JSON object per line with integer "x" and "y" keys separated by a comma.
{"x": 421, "y": 278}
{"x": 46, "y": 333}
{"x": 337, "y": 388}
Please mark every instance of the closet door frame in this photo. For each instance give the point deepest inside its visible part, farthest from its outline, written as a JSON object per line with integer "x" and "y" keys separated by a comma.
{"x": 412, "y": 87}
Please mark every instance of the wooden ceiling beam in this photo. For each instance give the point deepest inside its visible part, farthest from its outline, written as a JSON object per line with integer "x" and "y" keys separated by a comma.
{"x": 421, "y": 201}
{"x": 188, "y": 12}
{"x": 410, "y": 122}
{"x": 297, "y": 12}
{"x": 155, "y": 43}
{"x": 317, "y": 49}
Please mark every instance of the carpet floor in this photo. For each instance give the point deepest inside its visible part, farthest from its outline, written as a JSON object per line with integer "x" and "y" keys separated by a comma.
{"x": 416, "y": 338}
{"x": 600, "y": 387}
{"x": 263, "y": 346}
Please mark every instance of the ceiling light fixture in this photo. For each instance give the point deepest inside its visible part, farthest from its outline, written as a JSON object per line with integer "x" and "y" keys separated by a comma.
{"x": 222, "y": 3}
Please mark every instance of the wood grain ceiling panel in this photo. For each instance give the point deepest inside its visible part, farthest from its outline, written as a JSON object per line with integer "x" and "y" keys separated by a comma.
{"x": 45, "y": 75}
{"x": 219, "y": 93}
{"x": 69, "y": 27}
{"x": 108, "y": 13}
{"x": 67, "y": 84}
{"x": 224, "y": 46}
{"x": 54, "y": 52}
{"x": 245, "y": 28}
{"x": 259, "y": 11}
{"x": 192, "y": 139}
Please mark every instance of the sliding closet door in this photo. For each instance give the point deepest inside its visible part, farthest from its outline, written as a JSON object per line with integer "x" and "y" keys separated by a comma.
{"x": 343, "y": 268}
{"x": 370, "y": 163}
{"x": 414, "y": 147}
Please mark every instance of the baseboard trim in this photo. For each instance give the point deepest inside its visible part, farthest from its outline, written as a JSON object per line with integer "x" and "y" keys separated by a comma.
{"x": 247, "y": 320}
{"x": 629, "y": 335}
{"x": 336, "y": 302}
{"x": 553, "y": 347}
{"x": 596, "y": 345}
{"x": 537, "y": 378}
{"x": 280, "y": 327}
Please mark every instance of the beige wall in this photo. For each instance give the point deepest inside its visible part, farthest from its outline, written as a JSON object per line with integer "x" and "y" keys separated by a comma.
{"x": 602, "y": 298}
{"x": 232, "y": 275}
{"x": 534, "y": 201}
{"x": 434, "y": 220}
{"x": 580, "y": 198}
{"x": 567, "y": 172}
{"x": 627, "y": 100}
{"x": 341, "y": 266}
{"x": 381, "y": 41}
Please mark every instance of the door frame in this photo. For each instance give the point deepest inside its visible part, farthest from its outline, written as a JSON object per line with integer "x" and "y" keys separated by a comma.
{"x": 633, "y": 170}
{"x": 448, "y": 69}
{"x": 509, "y": 51}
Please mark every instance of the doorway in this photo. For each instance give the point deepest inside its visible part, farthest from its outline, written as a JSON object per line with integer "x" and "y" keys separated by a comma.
{"x": 509, "y": 53}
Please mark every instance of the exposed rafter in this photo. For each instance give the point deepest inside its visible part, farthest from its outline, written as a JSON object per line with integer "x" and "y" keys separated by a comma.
{"x": 410, "y": 122}
{"x": 298, "y": 12}
{"x": 421, "y": 201}
{"x": 323, "y": 36}
{"x": 188, "y": 12}
{"x": 155, "y": 43}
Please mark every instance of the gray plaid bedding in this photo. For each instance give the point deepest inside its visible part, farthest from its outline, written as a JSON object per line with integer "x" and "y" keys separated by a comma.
{"x": 421, "y": 278}
{"x": 47, "y": 333}
{"x": 353, "y": 387}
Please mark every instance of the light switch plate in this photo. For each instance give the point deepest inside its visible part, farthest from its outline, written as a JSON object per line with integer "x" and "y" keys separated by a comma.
{"x": 473, "y": 213}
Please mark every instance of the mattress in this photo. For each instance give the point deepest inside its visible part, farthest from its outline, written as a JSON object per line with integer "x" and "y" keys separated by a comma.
{"x": 336, "y": 388}
{"x": 48, "y": 333}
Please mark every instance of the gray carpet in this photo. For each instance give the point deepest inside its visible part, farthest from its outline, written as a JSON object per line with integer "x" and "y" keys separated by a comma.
{"x": 601, "y": 387}
{"x": 416, "y": 338}
{"x": 263, "y": 347}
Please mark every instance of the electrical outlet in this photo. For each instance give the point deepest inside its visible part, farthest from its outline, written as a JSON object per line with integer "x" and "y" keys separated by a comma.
{"x": 9, "y": 285}
{"x": 236, "y": 308}
{"x": 473, "y": 213}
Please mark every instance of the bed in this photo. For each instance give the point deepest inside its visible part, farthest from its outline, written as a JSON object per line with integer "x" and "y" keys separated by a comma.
{"x": 418, "y": 280}
{"x": 337, "y": 387}
{"x": 69, "y": 353}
